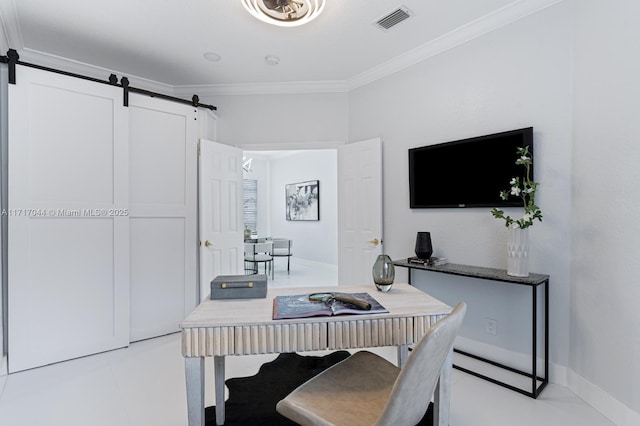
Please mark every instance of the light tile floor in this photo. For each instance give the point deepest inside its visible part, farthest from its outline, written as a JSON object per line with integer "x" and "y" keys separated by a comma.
{"x": 303, "y": 273}
{"x": 144, "y": 385}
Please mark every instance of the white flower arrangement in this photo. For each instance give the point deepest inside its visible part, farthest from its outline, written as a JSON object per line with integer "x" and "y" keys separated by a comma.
{"x": 525, "y": 190}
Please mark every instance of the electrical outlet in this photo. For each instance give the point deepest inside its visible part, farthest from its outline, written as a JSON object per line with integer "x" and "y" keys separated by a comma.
{"x": 491, "y": 326}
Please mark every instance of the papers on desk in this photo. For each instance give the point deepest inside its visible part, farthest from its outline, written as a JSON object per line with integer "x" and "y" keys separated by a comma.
{"x": 299, "y": 306}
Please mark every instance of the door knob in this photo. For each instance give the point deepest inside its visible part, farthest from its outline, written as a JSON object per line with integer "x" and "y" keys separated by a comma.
{"x": 375, "y": 242}
{"x": 208, "y": 243}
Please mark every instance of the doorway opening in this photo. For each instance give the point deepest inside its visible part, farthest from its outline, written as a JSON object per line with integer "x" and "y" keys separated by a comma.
{"x": 314, "y": 242}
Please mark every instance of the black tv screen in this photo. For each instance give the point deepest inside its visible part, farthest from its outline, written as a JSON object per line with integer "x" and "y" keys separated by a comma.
{"x": 468, "y": 172}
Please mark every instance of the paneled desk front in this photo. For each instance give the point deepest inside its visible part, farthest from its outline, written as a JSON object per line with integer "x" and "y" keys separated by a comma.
{"x": 217, "y": 328}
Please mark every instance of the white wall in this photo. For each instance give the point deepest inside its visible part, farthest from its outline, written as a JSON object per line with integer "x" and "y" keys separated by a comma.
{"x": 276, "y": 119}
{"x": 605, "y": 326}
{"x": 515, "y": 77}
{"x": 3, "y": 147}
{"x": 312, "y": 240}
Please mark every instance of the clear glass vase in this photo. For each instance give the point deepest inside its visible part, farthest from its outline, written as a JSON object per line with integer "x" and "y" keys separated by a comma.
{"x": 383, "y": 272}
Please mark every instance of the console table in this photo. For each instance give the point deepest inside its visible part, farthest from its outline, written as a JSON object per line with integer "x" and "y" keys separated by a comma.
{"x": 533, "y": 281}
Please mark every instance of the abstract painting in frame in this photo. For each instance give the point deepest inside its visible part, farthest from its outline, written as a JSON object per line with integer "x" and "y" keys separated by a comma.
{"x": 303, "y": 200}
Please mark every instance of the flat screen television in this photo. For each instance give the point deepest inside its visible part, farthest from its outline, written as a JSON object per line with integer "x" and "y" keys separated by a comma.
{"x": 468, "y": 172}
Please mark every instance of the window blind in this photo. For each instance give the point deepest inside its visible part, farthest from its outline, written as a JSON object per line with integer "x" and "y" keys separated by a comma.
{"x": 250, "y": 204}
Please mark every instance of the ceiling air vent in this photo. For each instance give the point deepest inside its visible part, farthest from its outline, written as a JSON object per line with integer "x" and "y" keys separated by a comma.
{"x": 394, "y": 18}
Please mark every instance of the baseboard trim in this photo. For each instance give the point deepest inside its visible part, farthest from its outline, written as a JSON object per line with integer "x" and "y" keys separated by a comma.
{"x": 521, "y": 361}
{"x": 4, "y": 368}
{"x": 602, "y": 401}
{"x": 596, "y": 397}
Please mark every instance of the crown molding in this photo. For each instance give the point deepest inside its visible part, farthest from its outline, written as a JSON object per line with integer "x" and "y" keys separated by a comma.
{"x": 11, "y": 35}
{"x": 290, "y": 87}
{"x": 77, "y": 67}
{"x": 470, "y": 31}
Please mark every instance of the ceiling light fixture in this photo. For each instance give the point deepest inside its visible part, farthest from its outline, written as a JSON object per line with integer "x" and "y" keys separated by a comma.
{"x": 285, "y": 13}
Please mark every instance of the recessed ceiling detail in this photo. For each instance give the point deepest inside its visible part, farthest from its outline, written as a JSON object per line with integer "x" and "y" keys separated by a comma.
{"x": 272, "y": 60}
{"x": 393, "y": 18}
{"x": 212, "y": 56}
{"x": 285, "y": 13}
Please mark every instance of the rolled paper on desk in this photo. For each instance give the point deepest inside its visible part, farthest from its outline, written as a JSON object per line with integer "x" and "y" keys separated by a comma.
{"x": 326, "y": 297}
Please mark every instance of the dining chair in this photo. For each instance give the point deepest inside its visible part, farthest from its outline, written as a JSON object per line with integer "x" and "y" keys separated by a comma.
{"x": 256, "y": 253}
{"x": 366, "y": 389}
{"x": 282, "y": 248}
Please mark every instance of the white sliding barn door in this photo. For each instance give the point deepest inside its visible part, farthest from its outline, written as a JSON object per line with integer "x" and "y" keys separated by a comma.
{"x": 68, "y": 233}
{"x": 221, "y": 227}
{"x": 359, "y": 210}
{"x": 163, "y": 217}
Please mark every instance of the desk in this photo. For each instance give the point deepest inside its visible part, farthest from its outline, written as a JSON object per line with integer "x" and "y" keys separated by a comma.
{"x": 217, "y": 328}
{"x": 533, "y": 281}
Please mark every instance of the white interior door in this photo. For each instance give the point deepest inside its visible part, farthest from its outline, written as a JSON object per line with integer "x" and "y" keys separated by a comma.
{"x": 68, "y": 233}
{"x": 163, "y": 214}
{"x": 359, "y": 210}
{"x": 220, "y": 201}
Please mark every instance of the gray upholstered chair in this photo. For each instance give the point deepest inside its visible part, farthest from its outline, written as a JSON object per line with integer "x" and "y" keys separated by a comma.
{"x": 366, "y": 389}
{"x": 282, "y": 248}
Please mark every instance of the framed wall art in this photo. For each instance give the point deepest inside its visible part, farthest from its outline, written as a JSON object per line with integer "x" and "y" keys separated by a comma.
{"x": 303, "y": 200}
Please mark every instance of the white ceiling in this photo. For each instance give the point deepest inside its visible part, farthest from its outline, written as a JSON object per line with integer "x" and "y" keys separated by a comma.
{"x": 164, "y": 40}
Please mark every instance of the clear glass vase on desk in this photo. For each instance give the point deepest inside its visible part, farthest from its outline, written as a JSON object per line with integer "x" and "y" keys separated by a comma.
{"x": 383, "y": 272}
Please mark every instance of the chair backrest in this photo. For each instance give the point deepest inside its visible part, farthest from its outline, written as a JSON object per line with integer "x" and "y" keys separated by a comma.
{"x": 252, "y": 249}
{"x": 262, "y": 247}
{"x": 411, "y": 393}
{"x": 281, "y": 243}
